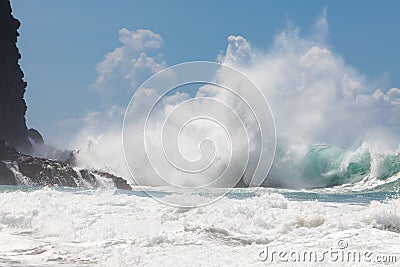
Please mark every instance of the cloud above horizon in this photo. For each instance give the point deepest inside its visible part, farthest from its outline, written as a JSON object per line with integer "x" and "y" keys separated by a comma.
{"x": 127, "y": 66}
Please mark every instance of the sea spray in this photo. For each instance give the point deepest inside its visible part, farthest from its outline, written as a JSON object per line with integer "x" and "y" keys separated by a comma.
{"x": 325, "y": 112}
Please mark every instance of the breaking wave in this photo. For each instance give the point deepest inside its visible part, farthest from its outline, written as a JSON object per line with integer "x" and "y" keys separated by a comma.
{"x": 329, "y": 166}
{"x": 334, "y": 127}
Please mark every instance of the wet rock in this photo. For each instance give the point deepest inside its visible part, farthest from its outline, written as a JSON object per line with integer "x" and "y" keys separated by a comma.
{"x": 89, "y": 177}
{"x": 119, "y": 182}
{"x": 35, "y": 136}
{"x": 6, "y": 175}
{"x": 46, "y": 172}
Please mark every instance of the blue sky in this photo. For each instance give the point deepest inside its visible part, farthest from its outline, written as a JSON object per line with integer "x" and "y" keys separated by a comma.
{"x": 62, "y": 41}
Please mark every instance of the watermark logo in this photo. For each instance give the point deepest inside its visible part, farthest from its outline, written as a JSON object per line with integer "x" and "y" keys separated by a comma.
{"x": 196, "y": 126}
{"x": 336, "y": 254}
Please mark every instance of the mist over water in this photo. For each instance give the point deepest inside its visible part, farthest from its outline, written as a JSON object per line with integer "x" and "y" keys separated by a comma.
{"x": 334, "y": 127}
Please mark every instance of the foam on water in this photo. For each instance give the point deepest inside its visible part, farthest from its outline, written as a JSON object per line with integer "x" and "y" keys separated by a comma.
{"x": 117, "y": 228}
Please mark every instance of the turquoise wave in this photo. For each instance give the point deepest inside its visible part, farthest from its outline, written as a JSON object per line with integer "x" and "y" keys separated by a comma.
{"x": 328, "y": 166}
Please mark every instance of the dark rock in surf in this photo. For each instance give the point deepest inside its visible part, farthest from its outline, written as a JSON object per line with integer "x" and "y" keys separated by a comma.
{"x": 45, "y": 172}
{"x": 90, "y": 177}
{"x": 6, "y": 175}
{"x": 35, "y": 136}
{"x": 118, "y": 181}
{"x": 20, "y": 169}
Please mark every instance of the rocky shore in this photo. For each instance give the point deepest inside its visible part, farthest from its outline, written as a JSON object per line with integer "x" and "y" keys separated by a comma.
{"x": 17, "y": 167}
{"x": 20, "y": 169}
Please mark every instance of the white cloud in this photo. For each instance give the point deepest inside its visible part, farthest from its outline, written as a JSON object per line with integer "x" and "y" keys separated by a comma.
{"x": 143, "y": 67}
{"x": 140, "y": 40}
{"x": 123, "y": 69}
{"x": 238, "y": 51}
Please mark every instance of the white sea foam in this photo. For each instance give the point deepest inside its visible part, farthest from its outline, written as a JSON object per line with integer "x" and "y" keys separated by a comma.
{"x": 100, "y": 227}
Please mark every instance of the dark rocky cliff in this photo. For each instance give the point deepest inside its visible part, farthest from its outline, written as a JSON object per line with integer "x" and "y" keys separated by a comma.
{"x": 16, "y": 167}
{"x": 12, "y": 86}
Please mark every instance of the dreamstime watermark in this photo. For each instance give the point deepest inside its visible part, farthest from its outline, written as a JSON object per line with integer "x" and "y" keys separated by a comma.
{"x": 216, "y": 134}
{"x": 337, "y": 254}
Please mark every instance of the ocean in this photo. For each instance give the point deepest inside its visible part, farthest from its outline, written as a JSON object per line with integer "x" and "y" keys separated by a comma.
{"x": 335, "y": 226}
